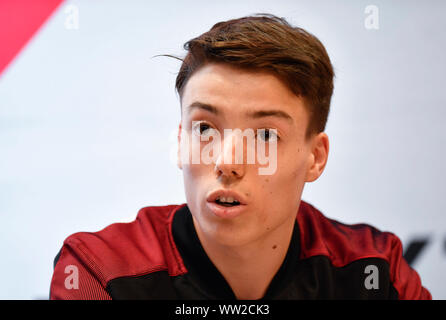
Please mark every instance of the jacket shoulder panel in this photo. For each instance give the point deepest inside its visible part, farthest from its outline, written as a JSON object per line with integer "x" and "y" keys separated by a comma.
{"x": 341, "y": 243}
{"x": 140, "y": 247}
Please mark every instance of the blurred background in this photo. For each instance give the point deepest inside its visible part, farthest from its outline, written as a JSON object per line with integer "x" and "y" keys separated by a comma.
{"x": 88, "y": 120}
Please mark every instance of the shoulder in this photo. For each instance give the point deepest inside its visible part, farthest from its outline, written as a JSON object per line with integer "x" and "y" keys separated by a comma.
{"x": 342, "y": 243}
{"x": 355, "y": 244}
{"x": 140, "y": 247}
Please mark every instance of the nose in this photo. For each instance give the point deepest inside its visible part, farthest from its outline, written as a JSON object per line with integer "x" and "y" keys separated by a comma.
{"x": 226, "y": 164}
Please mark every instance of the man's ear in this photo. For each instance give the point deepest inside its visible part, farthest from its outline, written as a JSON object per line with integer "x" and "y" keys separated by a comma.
{"x": 318, "y": 157}
{"x": 179, "y": 163}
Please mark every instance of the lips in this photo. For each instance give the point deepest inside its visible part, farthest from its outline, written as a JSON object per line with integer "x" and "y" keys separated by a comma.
{"x": 224, "y": 193}
{"x": 225, "y": 211}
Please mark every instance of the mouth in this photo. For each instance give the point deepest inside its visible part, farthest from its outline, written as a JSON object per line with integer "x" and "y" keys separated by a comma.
{"x": 225, "y": 197}
{"x": 226, "y": 203}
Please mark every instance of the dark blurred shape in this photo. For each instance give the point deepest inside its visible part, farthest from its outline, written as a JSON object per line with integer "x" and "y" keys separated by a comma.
{"x": 414, "y": 249}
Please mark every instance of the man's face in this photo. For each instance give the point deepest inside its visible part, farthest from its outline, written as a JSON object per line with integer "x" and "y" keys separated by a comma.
{"x": 219, "y": 97}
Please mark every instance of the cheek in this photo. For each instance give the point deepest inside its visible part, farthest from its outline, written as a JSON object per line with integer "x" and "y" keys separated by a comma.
{"x": 288, "y": 181}
{"x": 194, "y": 187}
{"x": 193, "y": 174}
{"x": 298, "y": 172}
{"x": 198, "y": 179}
{"x": 292, "y": 168}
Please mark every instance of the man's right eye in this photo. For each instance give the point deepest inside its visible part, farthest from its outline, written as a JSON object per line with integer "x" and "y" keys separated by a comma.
{"x": 202, "y": 128}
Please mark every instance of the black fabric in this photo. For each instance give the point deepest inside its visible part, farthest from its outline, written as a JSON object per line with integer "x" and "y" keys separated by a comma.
{"x": 316, "y": 278}
{"x": 153, "y": 286}
{"x": 202, "y": 275}
{"x": 203, "y": 280}
{"x": 311, "y": 278}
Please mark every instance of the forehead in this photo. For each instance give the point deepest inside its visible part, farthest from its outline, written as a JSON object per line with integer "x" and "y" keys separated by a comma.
{"x": 238, "y": 90}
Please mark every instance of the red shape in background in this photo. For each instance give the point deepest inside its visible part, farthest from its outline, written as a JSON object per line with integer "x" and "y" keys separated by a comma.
{"x": 19, "y": 21}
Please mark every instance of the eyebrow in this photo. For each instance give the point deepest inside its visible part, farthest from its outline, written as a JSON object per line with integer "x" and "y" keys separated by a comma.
{"x": 253, "y": 114}
{"x": 203, "y": 106}
{"x": 270, "y": 113}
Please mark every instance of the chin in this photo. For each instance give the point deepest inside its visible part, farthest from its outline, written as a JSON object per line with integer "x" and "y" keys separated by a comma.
{"x": 228, "y": 233}
{"x": 231, "y": 239}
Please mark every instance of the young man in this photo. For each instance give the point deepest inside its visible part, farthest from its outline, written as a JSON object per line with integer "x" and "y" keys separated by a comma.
{"x": 244, "y": 232}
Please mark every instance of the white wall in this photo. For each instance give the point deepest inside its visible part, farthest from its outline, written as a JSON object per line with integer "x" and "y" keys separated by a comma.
{"x": 87, "y": 116}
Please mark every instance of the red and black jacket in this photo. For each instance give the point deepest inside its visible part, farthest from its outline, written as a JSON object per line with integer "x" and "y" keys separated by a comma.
{"x": 159, "y": 256}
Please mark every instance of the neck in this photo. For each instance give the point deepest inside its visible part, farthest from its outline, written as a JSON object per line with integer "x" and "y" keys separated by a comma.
{"x": 250, "y": 268}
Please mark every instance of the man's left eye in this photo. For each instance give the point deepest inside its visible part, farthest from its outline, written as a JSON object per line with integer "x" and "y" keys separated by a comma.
{"x": 268, "y": 135}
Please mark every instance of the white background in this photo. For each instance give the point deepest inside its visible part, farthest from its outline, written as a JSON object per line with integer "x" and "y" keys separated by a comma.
{"x": 88, "y": 120}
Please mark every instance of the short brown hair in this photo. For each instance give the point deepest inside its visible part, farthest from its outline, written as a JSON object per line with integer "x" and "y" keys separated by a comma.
{"x": 267, "y": 42}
